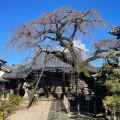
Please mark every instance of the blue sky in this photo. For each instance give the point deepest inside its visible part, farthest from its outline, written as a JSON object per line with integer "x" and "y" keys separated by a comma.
{"x": 16, "y": 12}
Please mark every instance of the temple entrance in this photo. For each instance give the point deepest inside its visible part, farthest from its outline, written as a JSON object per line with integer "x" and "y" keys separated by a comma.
{"x": 53, "y": 85}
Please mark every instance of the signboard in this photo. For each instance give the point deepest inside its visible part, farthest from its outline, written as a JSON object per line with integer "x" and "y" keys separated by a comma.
{"x": 87, "y": 97}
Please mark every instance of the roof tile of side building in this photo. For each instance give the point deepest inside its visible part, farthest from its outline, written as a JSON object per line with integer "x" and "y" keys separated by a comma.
{"x": 115, "y": 31}
{"x": 2, "y": 60}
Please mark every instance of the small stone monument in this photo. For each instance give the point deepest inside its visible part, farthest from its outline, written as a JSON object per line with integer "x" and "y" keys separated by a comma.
{"x": 66, "y": 104}
{"x": 25, "y": 99}
{"x": 26, "y": 94}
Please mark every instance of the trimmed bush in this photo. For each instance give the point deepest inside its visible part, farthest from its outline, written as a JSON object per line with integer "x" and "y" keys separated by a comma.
{"x": 1, "y": 117}
{"x": 15, "y": 99}
{"x": 7, "y": 106}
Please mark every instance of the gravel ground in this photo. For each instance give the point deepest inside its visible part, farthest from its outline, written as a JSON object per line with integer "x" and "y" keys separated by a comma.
{"x": 39, "y": 111}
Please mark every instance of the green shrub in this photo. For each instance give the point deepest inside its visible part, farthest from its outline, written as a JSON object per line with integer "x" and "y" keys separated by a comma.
{"x": 1, "y": 117}
{"x": 5, "y": 106}
{"x": 15, "y": 99}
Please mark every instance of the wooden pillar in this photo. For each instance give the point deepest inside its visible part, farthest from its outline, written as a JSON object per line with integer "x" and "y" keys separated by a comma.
{"x": 63, "y": 87}
{"x": 19, "y": 86}
{"x": 48, "y": 93}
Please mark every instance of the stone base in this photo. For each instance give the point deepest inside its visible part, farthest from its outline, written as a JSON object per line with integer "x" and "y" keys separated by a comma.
{"x": 24, "y": 102}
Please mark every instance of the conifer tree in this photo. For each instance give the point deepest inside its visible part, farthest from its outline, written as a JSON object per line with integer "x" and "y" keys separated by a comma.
{"x": 111, "y": 80}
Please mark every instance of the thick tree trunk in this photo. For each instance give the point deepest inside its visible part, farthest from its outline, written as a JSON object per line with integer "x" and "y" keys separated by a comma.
{"x": 74, "y": 58}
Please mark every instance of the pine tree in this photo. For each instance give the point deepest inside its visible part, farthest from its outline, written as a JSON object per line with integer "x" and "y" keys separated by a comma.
{"x": 111, "y": 73}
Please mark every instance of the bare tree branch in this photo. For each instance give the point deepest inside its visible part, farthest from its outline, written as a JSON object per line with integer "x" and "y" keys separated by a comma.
{"x": 59, "y": 27}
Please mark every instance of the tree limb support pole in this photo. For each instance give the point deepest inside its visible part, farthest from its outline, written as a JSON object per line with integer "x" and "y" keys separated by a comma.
{"x": 33, "y": 96}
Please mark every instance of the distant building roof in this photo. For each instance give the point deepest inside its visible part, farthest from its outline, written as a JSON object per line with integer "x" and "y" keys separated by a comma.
{"x": 2, "y": 60}
{"x": 115, "y": 31}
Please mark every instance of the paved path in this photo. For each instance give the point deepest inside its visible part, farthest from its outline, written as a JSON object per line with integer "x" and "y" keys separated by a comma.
{"x": 57, "y": 111}
{"x": 36, "y": 112}
{"x": 44, "y": 110}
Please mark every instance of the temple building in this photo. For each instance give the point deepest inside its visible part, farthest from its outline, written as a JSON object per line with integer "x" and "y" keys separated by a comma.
{"x": 57, "y": 77}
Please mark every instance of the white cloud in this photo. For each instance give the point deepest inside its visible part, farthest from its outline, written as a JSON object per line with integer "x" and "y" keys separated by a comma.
{"x": 78, "y": 44}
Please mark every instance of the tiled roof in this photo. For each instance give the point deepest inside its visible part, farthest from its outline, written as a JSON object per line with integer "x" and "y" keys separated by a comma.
{"x": 53, "y": 64}
{"x": 16, "y": 74}
{"x": 2, "y": 60}
{"x": 115, "y": 31}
